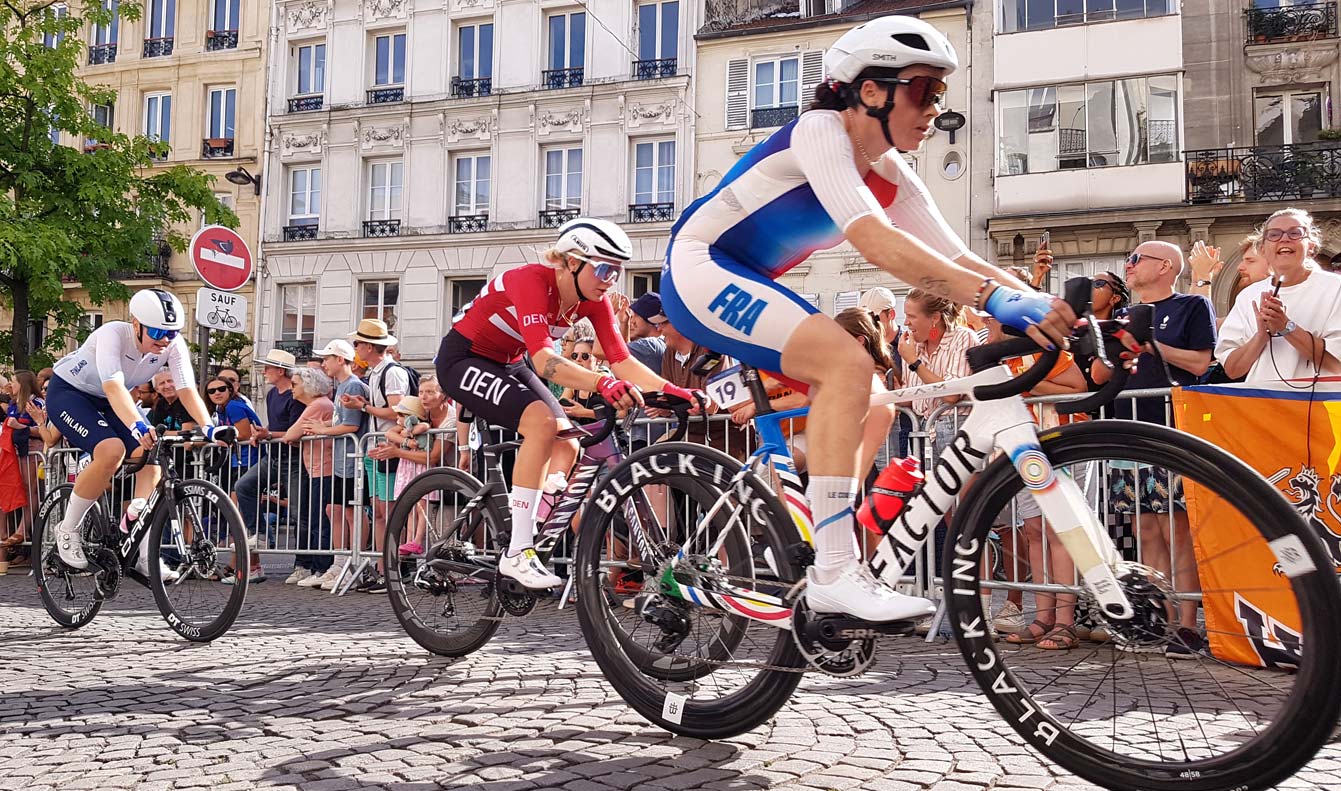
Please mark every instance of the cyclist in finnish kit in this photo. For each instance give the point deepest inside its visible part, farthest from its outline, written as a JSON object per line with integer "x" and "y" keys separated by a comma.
{"x": 834, "y": 174}
{"x": 89, "y": 400}
{"x": 522, "y": 311}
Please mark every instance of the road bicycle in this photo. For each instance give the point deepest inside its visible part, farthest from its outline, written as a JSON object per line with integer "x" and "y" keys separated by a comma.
{"x": 727, "y": 616}
{"x": 449, "y": 597}
{"x": 191, "y": 521}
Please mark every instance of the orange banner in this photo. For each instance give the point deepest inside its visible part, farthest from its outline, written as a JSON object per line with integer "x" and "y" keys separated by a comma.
{"x": 1291, "y": 434}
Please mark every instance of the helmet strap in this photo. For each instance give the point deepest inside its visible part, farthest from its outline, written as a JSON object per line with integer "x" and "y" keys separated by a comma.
{"x": 882, "y": 112}
{"x": 576, "y": 285}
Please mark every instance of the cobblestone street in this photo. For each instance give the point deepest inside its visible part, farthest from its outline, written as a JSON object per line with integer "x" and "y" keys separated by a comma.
{"x": 318, "y": 693}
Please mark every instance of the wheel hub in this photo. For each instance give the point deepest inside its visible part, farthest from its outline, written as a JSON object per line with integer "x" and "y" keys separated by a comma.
{"x": 1150, "y": 595}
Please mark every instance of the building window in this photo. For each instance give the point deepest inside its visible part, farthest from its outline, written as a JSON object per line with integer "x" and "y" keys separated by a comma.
{"x": 1017, "y": 15}
{"x": 654, "y": 172}
{"x": 472, "y": 184}
{"x": 106, "y": 34}
{"x": 90, "y": 322}
{"x": 380, "y": 298}
{"x": 298, "y": 312}
{"x": 563, "y": 178}
{"x": 642, "y": 282}
{"x": 161, "y": 26}
{"x": 222, "y": 113}
{"x": 224, "y": 198}
{"x": 567, "y": 40}
{"x": 158, "y": 118}
{"x": 104, "y": 115}
{"x": 776, "y": 83}
{"x": 311, "y": 69}
{"x": 461, "y": 293}
{"x": 37, "y": 333}
{"x": 658, "y": 30}
{"x": 384, "y": 190}
{"x": 389, "y": 59}
{"x": 304, "y": 195}
{"x": 475, "y": 51}
{"x": 1288, "y": 117}
{"x": 225, "y": 16}
{"x": 52, "y": 40}
{"x": 1097, "y": 124}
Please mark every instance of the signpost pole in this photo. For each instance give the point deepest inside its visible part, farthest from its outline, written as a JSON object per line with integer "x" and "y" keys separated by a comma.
{"x": 203, "y": 365}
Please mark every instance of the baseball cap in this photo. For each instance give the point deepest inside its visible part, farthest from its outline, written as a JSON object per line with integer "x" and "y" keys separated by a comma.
{"x": 339, "y": 347}
{"x": 648, "y": 306}
{"x": 878, "y": 299}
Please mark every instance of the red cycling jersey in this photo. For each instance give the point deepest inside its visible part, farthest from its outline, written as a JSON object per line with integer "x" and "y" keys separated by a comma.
{"x": 518, "y": 311}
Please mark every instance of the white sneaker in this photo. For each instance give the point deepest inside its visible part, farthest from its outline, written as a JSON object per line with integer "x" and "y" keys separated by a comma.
{"x": 526, "y": 568}
{"x": 315, "y": 580}
{"x": 167, "y": 573}
{"x": 858, "y": 594}
{"x": 334, "y": 574}
{"x": 299, "y": 574}
{"x": 70, "y": 548}
{"x": 1009, "y": 619}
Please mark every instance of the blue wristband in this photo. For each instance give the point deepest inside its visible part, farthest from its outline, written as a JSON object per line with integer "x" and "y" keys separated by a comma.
{"x": 1018, "y": 309}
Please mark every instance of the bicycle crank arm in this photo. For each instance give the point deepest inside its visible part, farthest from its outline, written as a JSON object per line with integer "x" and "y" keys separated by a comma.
{"x": 835, "y": 631}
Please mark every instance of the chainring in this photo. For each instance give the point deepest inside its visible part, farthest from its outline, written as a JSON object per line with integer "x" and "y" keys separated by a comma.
{"x": 516, "y": 604}
{"x": 852, "y": 659}
{"x": 109, "y": 575}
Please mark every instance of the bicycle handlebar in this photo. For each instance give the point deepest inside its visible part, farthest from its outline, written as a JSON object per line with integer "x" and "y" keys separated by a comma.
{"x": 1140, "y": 323}
{"x": 226, "y": 434}
{"x": 656, "y": 400}
{"x": 1077, "y": 295}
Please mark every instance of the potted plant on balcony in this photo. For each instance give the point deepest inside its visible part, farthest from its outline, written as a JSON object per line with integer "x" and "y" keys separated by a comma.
{"x": 1328, "y": 135}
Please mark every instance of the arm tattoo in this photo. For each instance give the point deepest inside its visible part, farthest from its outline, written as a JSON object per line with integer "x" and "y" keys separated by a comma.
{"x": 938, "y": 286}
{"x": 551, "y": 367}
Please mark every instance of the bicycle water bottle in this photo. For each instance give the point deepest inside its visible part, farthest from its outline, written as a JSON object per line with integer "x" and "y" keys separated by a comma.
{"x": 895, "y": 484}
{"x": 132, "y": 513}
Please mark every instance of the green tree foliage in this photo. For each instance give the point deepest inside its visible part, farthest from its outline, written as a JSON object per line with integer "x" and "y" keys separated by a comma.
{"x": 92, "y": 213}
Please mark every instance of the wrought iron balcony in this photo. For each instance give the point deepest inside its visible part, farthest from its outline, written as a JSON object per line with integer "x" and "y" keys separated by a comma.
{"x": 468, "y": 223}
{"x": 653, "y": 69}
{"x": 1291, "y": 23}
{"x": 379, "y": 229}
{"x": 157, "y": 47}
{"x": 767, "y": 117}
{"x": 216, "y": 40}
{"x": 1264, "y": 173}
{"x": 303, "y": 104}
{"x": 651, "y": 212}
{"x": 99, "y": 54}
{"x": 468, "y": 89}
{"x": 553, "y": 218}
{"x": 216, "y": 147}
{"x": 386, "y": 95}
{"x": 562, "y": 78}
{"x": 299, "y": 349}
{"x": 300, "y": 233}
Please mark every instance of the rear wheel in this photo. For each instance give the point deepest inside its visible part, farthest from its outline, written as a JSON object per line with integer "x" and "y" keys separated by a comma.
{"x": 441, "y": 591}
{"x": 1124, "y": 714}
{"x": 204, "y": 530}
{"x": 70, "y": 597}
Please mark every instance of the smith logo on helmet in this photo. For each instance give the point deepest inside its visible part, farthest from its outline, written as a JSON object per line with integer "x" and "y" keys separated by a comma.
{"x": 883, "y": 56}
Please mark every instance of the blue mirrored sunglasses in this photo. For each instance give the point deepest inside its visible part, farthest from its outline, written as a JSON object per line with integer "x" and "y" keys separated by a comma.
{"x": 606, "y": 272}
{"x": 159, "y": 334}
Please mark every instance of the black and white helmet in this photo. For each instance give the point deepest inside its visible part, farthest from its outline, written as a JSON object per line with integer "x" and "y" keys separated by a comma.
{"x": 154, "y": 307}
{"x": 588, "y": 239}
{"x": 890, "y": 42}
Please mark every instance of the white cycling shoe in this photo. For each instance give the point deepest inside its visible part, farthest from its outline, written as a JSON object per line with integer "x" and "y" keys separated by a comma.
{"x": 525, "y": 567}
{"x": 70, "y": 548}
{"x": 858, "y": 594}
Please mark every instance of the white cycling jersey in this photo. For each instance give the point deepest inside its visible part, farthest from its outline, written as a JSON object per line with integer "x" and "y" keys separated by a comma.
{"x": 111, "y": 353}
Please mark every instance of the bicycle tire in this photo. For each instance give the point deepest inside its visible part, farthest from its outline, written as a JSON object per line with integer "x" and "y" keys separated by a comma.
{"x": 740, "y": 711}
{"x": 458, "y": 642}
{"x": 49, "y": 513}
{"x": 200, "y": 564}
{"x": 1303, "y": 724}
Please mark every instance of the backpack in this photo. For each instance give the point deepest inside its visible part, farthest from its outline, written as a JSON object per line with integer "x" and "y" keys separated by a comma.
{"x": 413, "y": 375}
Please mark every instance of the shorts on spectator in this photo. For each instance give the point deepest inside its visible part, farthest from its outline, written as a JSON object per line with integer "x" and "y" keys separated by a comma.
{"x": 1152, "y": 484}
{"x": 341, "y": 492}
{"x": 1026, "y": 506}
{"x": 381, "y": 485}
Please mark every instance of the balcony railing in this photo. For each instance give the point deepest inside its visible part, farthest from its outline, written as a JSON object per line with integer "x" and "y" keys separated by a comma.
{"x": 99, "y": 54}
{"x": 1291, "y": 23}
{"x": 766, "y": 117}
{"x": 651, "y": 212}
{"x": 299, "y": 349}
{"x": 553, "y": 218}
{"x": 468, "y": 89}
{"x": 379, "y": 229}
{"x": 220, "y": 39}
{"x": 1264, "y": 173}
{"x": 157, "y": 47}
{"x": 300, "y": 233}
{"x": 386, "y": 95}
{"x": 468, "y": 223}
{"x": 561, "y": 78}
{"x": 216, "y": 147}
{"x": 303, "y": 104}
{"x": 653, "y": 69}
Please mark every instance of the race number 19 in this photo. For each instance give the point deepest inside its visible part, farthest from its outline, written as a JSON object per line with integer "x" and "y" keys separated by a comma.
{"x": 728, "y": 388}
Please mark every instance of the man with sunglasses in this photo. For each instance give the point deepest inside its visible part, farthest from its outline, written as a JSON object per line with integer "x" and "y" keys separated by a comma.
{"x": 89, "y": 401}
{"x": 482, "y": 365}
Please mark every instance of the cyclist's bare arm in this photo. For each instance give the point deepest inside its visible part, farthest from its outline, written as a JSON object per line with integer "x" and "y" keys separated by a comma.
{"x": 122, "y": 404}
{"x": 195, "y": 407}
{"x": 973, "y": 263}
{"x": 630, "y": 370}
{"x": 552, "y": 367}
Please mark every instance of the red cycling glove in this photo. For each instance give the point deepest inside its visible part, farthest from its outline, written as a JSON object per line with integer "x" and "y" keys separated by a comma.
{"x": 696, "y": 398}
{"x": 614, "y": 390}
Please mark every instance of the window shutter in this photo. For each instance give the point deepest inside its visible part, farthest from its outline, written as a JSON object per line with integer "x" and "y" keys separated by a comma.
{"x": 738, "y": 93}
{"x": 812, "y": 73}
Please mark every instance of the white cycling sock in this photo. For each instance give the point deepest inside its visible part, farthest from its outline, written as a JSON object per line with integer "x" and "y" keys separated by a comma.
{"x": 831, "y": 499}
{"x": 74, "y": 512}
{"x": 522, "y": 502}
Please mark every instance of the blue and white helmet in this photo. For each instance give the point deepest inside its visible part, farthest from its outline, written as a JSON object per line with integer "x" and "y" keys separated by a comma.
{"x": 154, "y": 307}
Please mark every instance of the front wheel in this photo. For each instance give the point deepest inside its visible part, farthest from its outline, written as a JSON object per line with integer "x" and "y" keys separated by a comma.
{"x": 1153, "y": 708}
{"x": 70, "y": 597}
{"x": 203, "y": 531}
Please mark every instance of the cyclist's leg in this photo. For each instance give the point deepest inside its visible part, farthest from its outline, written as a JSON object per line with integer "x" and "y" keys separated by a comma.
{"x": 735, "y": 310}
{"x": 563, "y": 453}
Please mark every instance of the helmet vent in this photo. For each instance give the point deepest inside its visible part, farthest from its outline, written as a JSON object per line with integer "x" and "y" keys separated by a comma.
{"x": 912, "y": 40}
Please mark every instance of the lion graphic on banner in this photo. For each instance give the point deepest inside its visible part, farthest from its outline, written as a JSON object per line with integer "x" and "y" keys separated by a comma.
{"x": 1304, "y": 492}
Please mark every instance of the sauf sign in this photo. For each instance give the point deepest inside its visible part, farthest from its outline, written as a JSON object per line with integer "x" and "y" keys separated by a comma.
{"x": 221, "y": 310}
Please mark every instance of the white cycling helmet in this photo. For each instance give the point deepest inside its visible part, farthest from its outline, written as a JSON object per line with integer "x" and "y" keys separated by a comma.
{"x": 588, "y": 238}
{"x": 154, "y": 307}
{"x": 891, "y": 42}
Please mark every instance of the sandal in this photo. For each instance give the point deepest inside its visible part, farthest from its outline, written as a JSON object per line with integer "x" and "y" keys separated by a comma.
{"x": 1061, "y": 638}
{"x": 1027, "y": 637}
{"x": 13, "y": 541}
